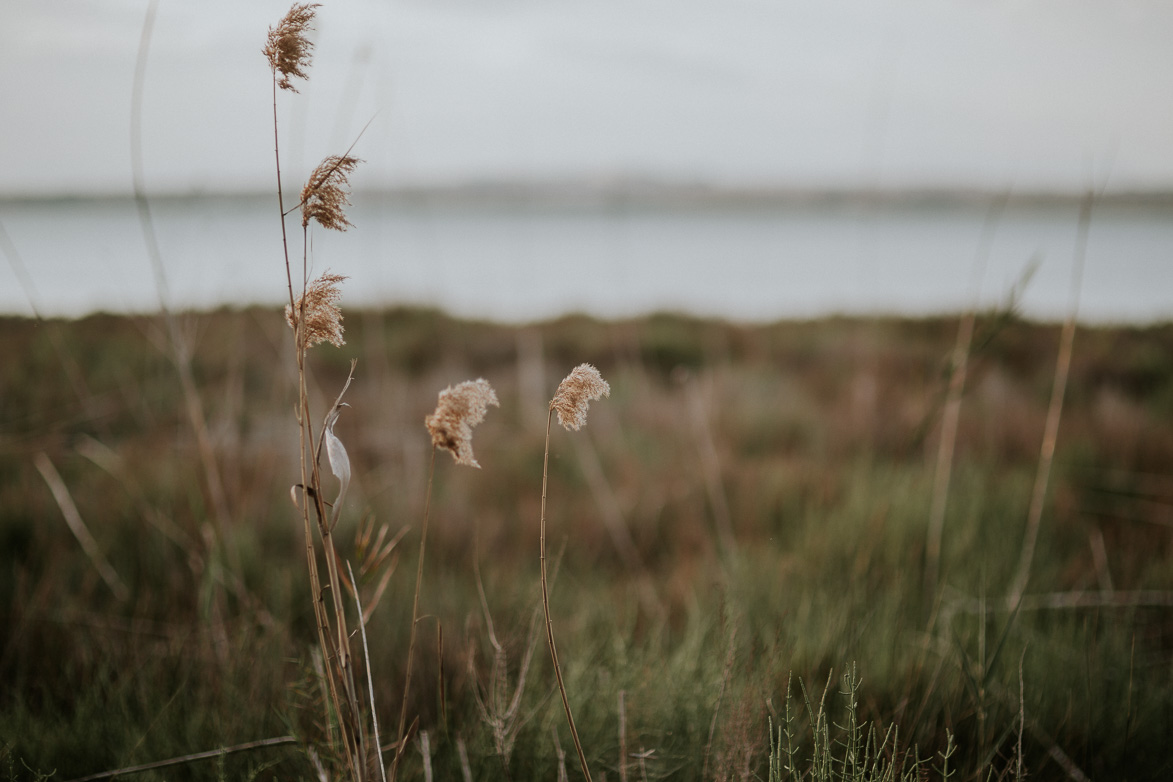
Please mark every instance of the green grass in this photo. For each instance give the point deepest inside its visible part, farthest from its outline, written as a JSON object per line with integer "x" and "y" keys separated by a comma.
{"x": 824, "y": 434}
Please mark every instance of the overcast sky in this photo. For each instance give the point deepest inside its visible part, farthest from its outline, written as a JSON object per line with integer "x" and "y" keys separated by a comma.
{"x": 1029, "y": 94}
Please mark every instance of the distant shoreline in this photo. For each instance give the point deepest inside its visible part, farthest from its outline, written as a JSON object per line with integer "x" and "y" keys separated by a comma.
{"x": 602, "y": 192}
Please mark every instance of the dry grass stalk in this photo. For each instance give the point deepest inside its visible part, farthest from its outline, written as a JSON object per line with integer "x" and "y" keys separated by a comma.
{"x": 178, "y": 347}
{"x": 458, "y": 410}
{"x": 498, "y": 709}
{"x": 362, "y": 626}
{"x": 726, "y": 676}
{"x": 582, "y": 386}
{"x": 317, "y": 313}
{"x": 287, "y": 48}
{"x": 945, "y": 450}
{"x": 577, "y": 390}
{"x": 622, "y": 737}
{"x": 211, "y": 754}
{"x": 325, "y": 197}
{"x": 710, "y": 465}
{"x": 950, "y": 420}
{"x": 78, "y": 527}
{"x": 465, "y": 768}
{"x": 315, "y": 317}
{"x": 1054, "y": 413}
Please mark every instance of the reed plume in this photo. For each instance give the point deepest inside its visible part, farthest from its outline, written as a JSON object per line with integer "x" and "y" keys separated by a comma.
{"x": 317, "y": 313}
{"x": 288, "y": 49}
{"x": 325, "y": 197}
{"x": 582, "y": 386}
{"x": 458, "y": 410}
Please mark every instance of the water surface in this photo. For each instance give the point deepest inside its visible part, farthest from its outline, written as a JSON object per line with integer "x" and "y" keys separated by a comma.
{"x": 524, "y": 259}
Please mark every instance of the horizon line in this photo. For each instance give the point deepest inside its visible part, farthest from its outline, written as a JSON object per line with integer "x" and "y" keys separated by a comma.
{"x": 648, "y": 190}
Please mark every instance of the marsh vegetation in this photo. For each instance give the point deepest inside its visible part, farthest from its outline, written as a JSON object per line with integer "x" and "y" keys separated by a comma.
{"x": 746, "y": 513}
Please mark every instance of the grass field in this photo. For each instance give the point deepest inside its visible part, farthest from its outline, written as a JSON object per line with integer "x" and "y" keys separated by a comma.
{"x": 741, "y": 526}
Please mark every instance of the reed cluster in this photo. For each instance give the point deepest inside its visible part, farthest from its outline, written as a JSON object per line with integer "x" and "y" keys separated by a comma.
{"x": 315, "y": 316}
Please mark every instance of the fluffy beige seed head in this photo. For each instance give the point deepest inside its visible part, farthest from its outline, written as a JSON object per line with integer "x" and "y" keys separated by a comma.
{"x": 323, "y": 318}
{"x": 582, "y": 386}
{"x": 287, "y": 48}
{"x": 324, "y": 197}
{"x": 458, "y": 410}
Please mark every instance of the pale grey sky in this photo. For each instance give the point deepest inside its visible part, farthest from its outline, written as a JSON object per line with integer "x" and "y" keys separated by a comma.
{"x": 1029, "y": 94}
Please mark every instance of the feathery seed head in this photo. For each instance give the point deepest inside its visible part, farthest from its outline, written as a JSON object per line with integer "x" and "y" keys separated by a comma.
{"x": 324, "y": 196}
{"x": 287, "y": 48}
{"x": 458, "y": 410}
{"x": 582, "y": 386}
{"x": 319, "y": 305}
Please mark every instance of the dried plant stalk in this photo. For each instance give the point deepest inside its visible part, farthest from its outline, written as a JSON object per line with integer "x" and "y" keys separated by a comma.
{"x": 583, "y": 385}
{"x": 288, "y": 48}
{"x": 458, "y": 410}
{"x": 325, "y": 196}
{"x": 1054, "y": 412}
{"x": 315, "y": 317}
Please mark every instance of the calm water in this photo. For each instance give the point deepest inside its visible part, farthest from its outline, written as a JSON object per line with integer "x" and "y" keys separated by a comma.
{"x": 523, "y": 261}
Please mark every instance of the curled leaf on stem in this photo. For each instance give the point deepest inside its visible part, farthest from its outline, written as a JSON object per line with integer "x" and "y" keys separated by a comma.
{"x": 339, "y": 461}
{"x": 335, "y": 450}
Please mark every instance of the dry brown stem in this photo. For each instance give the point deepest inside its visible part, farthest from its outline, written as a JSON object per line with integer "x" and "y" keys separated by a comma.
{"x": 574, "y": 394}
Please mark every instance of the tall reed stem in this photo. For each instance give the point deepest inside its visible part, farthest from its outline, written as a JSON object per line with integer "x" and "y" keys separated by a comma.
{"x": 415, "y": 613}
{"x": 1054, "y": 412}
{"x": 959, "y": 366}
{"x": 336, "y": 651}
{"x": 546, "y": 607}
